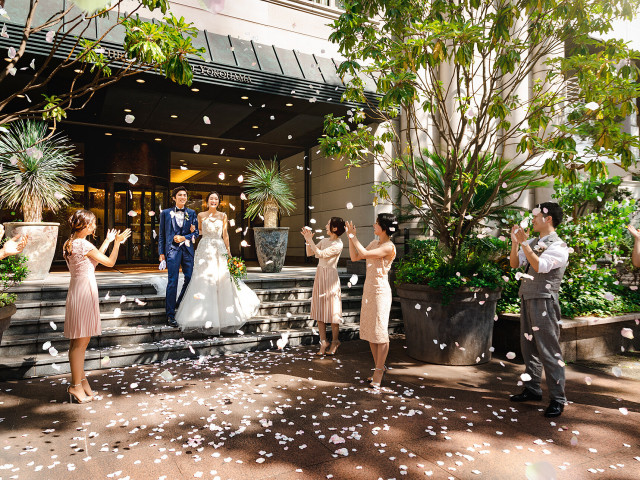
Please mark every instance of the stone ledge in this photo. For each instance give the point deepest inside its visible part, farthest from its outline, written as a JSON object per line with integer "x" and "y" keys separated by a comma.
{"x": 581, "y": 338}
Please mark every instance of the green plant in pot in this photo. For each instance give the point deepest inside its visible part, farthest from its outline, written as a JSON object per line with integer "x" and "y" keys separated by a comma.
{"x": 269, "y": 193}
{"x": 13, "y": 270}
{"x": 479, "y": 84}
{"x": 36, "y": 174}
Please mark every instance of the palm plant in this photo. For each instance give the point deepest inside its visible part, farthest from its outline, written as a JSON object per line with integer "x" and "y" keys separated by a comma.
{"x": 35, "y": 169}
{"x": 476, "y": 203}
{"x": 269, "y": 192}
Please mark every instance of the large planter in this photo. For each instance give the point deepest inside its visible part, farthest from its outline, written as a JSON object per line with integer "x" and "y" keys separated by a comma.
{"x": 5, "y": 318}
{"x": 271, "y": 247}
{"x": 458, "y": 333}
{"x": 41, "y": 247}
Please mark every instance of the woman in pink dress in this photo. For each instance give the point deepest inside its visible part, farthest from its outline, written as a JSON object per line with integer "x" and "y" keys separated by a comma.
{"x": 82, "y": 314}
{"x": 376, "y": 293}
{"x": 326, "y": 301}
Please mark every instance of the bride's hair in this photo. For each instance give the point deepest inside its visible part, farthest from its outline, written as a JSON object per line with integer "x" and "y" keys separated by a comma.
{"x": 212, "y": 193}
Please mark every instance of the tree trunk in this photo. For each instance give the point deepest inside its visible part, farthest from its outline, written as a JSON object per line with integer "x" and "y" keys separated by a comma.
{"x": 32, "y": 210}
{"x": 270, "y": 214}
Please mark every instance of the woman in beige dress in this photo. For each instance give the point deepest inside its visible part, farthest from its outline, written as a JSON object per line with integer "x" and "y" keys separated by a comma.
{"x": 376, "y": 293}
{"x": 326, "y": 301}
{"x": 82, "y": 312}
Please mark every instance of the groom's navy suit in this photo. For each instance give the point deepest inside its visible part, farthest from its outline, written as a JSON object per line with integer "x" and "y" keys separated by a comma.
{"x": 177, "y": 255}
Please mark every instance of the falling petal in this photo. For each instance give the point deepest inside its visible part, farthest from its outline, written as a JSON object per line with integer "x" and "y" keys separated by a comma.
{"x": 132, "y": 213}
{"x": 206, "y": 120}
{"x": 221, "y": 175}
{"x": 244, "y": 243}
{"x": 627, "y": 333}
{"x": 353, "y": 279}
{"x": 525, "y": 377}
{"x": 133, "y": 179}
{"x": 196, "y": 148}
{"x": 623, "y": 411}
{"x": 511, "y": 355}
{"x": 129, "y": 118}
{"x": 588, "y": 380}
{"x": 240, "y": 180}
{"x": 11, "y": 52}
{"x": 592, "y": 106}
{"x": 117, "y": 312}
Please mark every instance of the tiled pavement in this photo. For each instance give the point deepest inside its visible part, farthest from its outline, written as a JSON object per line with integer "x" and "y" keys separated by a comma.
{"x": 291, "y": 415}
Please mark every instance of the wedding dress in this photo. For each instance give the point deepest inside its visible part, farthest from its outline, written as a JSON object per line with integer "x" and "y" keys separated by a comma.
{"x": 212, "y": 303}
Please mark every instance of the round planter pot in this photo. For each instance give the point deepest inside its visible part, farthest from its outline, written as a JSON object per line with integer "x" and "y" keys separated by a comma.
{"x": 271, "y": 247}
{"x": 5, "y": 318}
{"x": 41, "y": 247}
{"x": 458, "y": 333}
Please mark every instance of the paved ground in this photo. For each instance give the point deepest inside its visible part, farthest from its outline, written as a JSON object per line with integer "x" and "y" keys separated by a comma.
{"x": 291, "y": 415}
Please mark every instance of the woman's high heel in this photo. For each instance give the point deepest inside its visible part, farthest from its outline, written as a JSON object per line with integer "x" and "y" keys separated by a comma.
{"x": 73, "y": 395}
{"x": 92, "y": 394}
{"x": 333, "y": 349}
{"x": 370, "y": 379}
{"x": 323, "y": 346}
{"x": 377, "y": 385}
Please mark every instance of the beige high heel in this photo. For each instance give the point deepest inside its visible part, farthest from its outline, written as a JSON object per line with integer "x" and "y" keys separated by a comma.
{"x": 376, "y": 385}
{"x": 323, "y": 346}
{"x": 73, "y": 395}
{"x": 333, "y": 349}
{"x": 92, "y": 394}
{"x": 370, "y": 379}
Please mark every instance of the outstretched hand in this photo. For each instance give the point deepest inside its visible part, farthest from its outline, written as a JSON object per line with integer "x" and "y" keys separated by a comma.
{"x": 111, "y": 235}
{"x": 122, "y": 236}
{"x": 307, "y": 233}
{"x": 634, "y": 232}
{"x": 520, "y": 235}
{"x": 15, "y": 245}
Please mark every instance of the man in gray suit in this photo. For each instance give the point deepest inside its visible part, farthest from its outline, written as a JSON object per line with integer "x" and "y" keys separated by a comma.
{"x": 545, "y": 259}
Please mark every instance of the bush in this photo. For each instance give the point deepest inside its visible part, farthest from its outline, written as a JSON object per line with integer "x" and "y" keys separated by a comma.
{"x": 477, "y": 265}
{"x": 13, "y": 270}
{"x": 596, "y": 215}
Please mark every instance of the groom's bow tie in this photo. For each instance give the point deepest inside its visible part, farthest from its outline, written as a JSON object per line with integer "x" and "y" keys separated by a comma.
{"x": 179, "y": 209}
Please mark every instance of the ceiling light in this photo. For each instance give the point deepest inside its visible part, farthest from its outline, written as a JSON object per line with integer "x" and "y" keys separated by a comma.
{"x": 128, "y": 110}
{"x": 20, "y": 95}
{"x": 140, "y": 80}
{"x": 195, "y": 89}
{"x": 204, "y": 144}
{"x": 158, "y": 139}
{"x": 108, "y": 134}
{"x": 215, "y": 163}
{"x": 289, "y": 104}
{"x": 174, "y": 116}
{"x": 228, "y": 159}
{"x": 255, "y": 126}
{"x": 244, "y": 98}
{"x": 241, "y": 148}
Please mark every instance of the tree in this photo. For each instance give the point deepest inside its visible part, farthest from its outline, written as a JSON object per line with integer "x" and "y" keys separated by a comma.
{"x": 460, "y": 72}
{"x": 148, "y": 46}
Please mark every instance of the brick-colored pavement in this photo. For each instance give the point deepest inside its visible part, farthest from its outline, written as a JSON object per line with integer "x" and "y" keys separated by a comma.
{"x": 291, "y": 415}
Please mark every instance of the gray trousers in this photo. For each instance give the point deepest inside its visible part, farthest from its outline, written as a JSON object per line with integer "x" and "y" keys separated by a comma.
{"x": 543, "y": 350}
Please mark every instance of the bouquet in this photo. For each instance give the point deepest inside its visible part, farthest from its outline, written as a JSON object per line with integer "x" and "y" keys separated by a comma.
{"x": 237, "y": 269}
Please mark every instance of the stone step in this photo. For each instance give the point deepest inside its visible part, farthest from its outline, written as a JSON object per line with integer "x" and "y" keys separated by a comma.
{"x": 16, "y": 344}
{"x": 36, "y": 310}
{"x": 126, "y": 354}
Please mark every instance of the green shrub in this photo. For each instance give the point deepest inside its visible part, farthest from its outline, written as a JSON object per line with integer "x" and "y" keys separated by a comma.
{"x": 13, "y": 270}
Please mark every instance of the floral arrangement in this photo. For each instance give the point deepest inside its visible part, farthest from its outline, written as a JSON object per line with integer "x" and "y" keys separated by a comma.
{"x": 237, "y": 269}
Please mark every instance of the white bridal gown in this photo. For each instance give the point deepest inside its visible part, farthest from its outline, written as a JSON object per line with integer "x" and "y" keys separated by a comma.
{"x": 212, "y": 303}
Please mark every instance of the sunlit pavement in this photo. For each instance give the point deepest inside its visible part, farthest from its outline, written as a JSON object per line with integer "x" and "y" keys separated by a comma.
{"x": 291, "y": 415}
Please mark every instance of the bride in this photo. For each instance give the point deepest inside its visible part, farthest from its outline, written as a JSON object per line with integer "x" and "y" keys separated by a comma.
{"x": 212, "y": 303}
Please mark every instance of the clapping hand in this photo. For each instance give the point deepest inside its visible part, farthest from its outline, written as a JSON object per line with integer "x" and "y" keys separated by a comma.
{"x": 307, "y": 233}
{"x": 634, "y": 232}
{"x": 111, "y": 235}
{"x": 122, "y": 236}
{"x": 518, "y": 234}
{"x": 350, "y": 229}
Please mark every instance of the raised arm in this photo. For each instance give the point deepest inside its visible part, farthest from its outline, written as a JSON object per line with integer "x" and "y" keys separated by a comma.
{"x": 111, "y": 236}
{"x": 109, "y": 261}
{"x": 310, "y": 246}
{"x": 514, "y": 258}
{"x": 362, "y": 253}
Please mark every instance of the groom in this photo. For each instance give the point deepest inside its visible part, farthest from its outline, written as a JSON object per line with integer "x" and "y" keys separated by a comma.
{"x": 176, "y": 247}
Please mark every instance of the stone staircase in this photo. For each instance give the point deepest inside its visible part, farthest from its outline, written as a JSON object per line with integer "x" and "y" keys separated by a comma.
{"x": 134, "y": 329}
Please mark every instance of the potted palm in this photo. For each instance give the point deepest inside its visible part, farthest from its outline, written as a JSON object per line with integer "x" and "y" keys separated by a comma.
{"x": 269, "y": 193}
{"x": 35, "y": 172}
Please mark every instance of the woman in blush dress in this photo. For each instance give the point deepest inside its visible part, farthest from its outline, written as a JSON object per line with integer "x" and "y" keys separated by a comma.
{"x": 82, "y": 314}
{"x": 376, "y": 293}
{"x": 326, "y": 301}
{"x": 213, "y": 303}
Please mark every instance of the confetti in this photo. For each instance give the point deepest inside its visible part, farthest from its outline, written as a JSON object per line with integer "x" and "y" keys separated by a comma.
{"x": 511, "y": 355}
{"x": 206, "y": 120}
{"x": 196, "y": 148}
{"x": 627, "y": 333}
{"x": 240, "y": 180}
{"x": 129, "y": 118}
{"x": 133, "y": 179}
{"x": 349, "y": 206}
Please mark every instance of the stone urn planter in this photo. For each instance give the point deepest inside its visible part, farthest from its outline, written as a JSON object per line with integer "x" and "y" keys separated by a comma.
{"x": 458, "y": 333}
{"x": 41, "y": 247}
{"x": 271, "y": 247}
{"x": 5, "y": 318}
